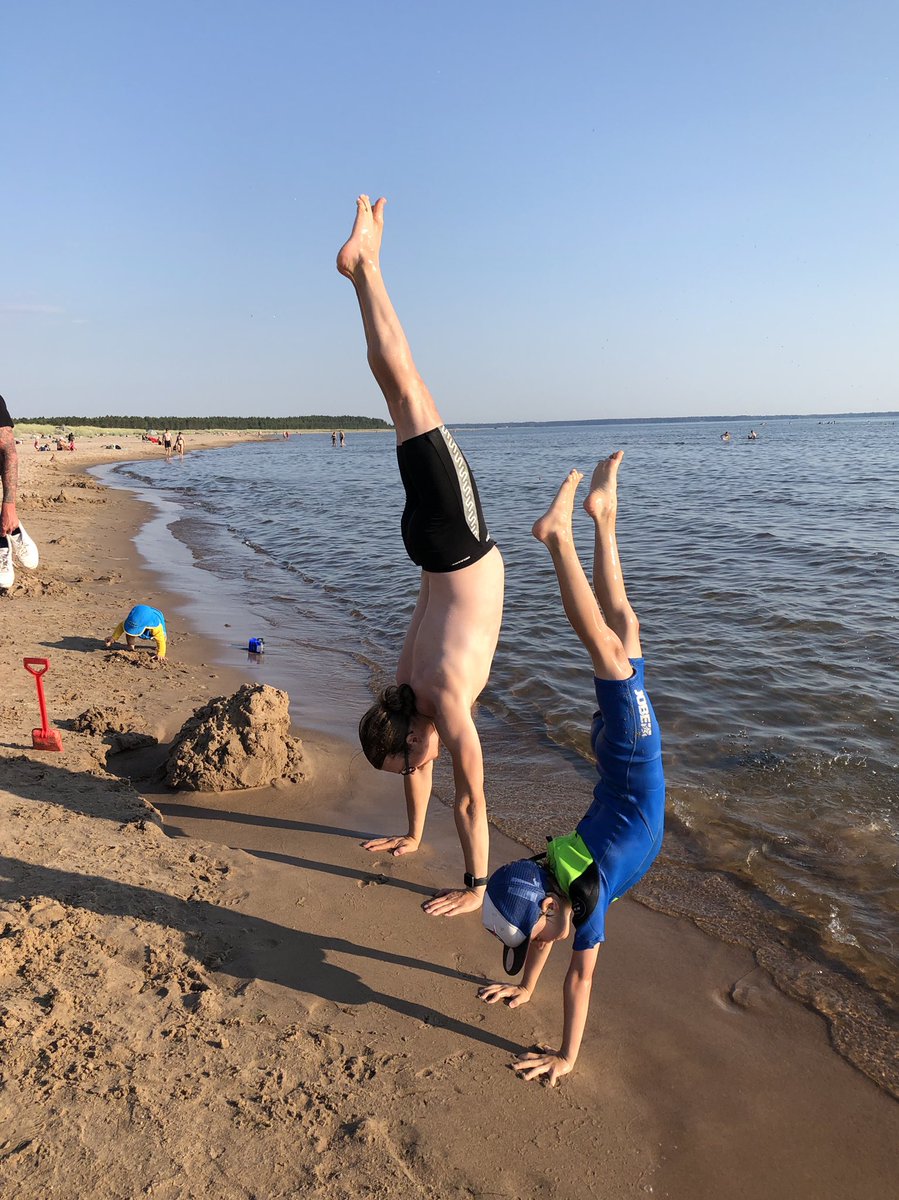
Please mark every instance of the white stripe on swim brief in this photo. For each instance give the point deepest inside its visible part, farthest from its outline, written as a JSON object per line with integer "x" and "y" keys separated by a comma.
{"x": 466, "y": 489}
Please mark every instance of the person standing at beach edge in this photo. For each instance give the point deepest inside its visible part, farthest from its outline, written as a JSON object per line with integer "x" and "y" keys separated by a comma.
{"x": 448, "y": 650}
{"x": 15, "y": 544}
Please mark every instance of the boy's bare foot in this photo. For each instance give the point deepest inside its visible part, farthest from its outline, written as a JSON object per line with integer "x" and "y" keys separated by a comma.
{"x": 363, "y": 248}
{"x": 602, "y": 500}
{"x": 555, "y": 524}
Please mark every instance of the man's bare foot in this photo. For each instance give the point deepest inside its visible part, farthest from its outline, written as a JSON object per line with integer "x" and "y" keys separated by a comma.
{"x": 363, "y": 249}
{"x": 397, "y": 846}
{"x": 602, "y": 500}
{"x": 555, "y": 524}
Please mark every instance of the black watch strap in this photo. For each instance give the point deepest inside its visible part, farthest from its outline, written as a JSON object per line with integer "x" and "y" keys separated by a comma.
{"x": 472, "y": 882}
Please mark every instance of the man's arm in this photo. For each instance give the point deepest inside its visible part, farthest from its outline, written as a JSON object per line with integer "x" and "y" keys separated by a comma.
{"x": 458, "y": 733}
{"x": 417, "y": 789}
{"x": 576, "y": 1004}
{"x": 9, "y": 476}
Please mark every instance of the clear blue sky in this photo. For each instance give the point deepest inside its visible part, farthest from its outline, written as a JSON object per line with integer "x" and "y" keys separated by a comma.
{"x": 595, "y": 209}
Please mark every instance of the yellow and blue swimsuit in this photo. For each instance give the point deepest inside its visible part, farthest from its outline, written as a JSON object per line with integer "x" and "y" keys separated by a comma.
{"x": 144, "y": 622}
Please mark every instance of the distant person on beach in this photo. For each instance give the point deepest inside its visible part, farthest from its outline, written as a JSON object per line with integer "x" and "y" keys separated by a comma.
{"x": 533, "y": 903}
{"x": 15, "y": 544}
{"x": 179, "y": 445}
{"x": 167, "y": 443}
{"x": 142, "y": 624}
{"x": 449, "y": 647}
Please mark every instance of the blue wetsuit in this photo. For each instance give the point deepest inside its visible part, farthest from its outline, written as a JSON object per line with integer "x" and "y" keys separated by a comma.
{"x": 619, "y": 837}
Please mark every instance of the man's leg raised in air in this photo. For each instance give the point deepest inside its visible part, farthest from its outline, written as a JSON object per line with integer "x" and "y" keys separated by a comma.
{"x": 610, "y": 661}
{"x": 608, "y": 581}
{"x": 411, "y": 406}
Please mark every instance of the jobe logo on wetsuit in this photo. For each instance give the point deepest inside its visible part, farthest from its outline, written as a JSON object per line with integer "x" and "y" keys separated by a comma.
{"x": 643, "y": 710}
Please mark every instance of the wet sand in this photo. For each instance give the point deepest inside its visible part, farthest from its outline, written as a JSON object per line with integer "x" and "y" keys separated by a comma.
{"x": 254, "y": 1006}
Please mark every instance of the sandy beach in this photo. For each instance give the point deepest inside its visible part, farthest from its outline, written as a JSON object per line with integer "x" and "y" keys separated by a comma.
{"x": 224, "y": 995}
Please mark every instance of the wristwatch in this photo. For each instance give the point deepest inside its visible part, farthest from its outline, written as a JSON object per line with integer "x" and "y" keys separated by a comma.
{"x": 472, "y": 882}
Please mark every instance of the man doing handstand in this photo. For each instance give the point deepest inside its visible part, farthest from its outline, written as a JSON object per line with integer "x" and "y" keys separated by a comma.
{"x": 449, "y": 647}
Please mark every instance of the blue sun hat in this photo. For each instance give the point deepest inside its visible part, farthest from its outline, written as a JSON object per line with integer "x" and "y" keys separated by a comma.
{"x": 512, "y": 908}
{"x": 140, "y": 618}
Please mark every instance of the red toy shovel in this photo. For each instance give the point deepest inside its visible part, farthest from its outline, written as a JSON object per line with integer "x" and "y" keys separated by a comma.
{"x": 44, "y": 738}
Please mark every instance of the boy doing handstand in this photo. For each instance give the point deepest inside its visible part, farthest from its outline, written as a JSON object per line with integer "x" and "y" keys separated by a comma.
{"x": 533, "y": 903}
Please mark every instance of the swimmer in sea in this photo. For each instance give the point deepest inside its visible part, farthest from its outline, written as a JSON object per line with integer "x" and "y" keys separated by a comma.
{"x": 448, "y": 649}
{"x": 142, "y": 624}
{"x": 533, "y": 903}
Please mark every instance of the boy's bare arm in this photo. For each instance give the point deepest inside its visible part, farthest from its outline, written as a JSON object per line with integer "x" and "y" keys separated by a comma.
{"x": 517, "y": 994}
{"x": 576, "y": 1004}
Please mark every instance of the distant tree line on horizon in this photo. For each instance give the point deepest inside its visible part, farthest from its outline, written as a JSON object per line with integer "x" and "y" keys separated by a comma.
{"x": 316, "y": 421}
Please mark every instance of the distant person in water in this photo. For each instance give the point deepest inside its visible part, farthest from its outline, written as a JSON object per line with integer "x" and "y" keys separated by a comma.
{"x": 142, "y": 624}
{"x": 725, "y": 437}
{"x": 448, "y": 650}
{"x": 342, "y": 439}
{"x": 179, "y": 445}
{"x": 333, "y": 437}
{"x": 531, "y": 904}
{"x": 753, "y": 436}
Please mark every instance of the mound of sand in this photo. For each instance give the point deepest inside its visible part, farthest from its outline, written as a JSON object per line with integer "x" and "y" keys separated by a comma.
{"x": 98, "y": 722}
{"x": 239, "y": 741}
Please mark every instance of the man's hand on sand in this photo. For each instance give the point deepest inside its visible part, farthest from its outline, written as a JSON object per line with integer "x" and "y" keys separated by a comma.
{"x": 452, "y": 903}
{"x": 546, "y": 1062}
{"x": 397, "y": 846}
{"x": 513, "y": 994}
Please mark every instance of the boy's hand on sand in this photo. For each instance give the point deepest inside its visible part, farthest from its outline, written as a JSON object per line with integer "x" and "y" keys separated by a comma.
{"x": 403, "y": 844}
{"x": 513, "y": 994}
{"x": 108, "y": 642}
{"x": 452, "y": 903}
{"x": 545, "y": 1062}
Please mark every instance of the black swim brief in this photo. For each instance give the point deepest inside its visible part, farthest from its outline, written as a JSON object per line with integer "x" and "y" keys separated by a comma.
{"x": 443, "y": 524}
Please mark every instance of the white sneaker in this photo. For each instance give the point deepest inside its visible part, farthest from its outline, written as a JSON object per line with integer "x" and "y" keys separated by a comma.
{"x": 7, "y": 574}
{"x": 24, "y": 548}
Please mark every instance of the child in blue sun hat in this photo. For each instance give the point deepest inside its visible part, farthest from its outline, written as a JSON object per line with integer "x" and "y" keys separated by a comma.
{"x": 533, "y": 903}
{"x": 143, "y": 623}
